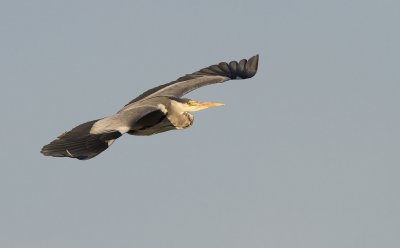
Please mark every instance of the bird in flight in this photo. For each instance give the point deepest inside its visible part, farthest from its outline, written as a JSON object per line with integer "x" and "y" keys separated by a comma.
{"x": 157, "y": 110}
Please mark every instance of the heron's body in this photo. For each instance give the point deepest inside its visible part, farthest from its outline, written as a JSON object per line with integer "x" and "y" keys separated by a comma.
{"x": 157, "y": 110}
{"x": 168, "y": 118}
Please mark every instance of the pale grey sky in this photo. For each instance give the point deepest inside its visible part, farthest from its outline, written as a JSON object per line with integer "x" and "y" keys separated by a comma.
{"x": 305, "y": 154}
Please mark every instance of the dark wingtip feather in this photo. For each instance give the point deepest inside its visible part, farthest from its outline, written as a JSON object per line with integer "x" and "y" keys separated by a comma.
{"x": 245, "y": 68}
{"x": 251, "y": 66}
{"x": 79, "y": 147}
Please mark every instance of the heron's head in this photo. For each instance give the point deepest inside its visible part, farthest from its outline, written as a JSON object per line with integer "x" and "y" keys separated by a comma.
{"x": 189, "y": 105}
{"x": 193, "y": 105}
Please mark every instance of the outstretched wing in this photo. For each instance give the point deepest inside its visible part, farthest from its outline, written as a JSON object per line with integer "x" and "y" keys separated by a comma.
{"x": 91, "y": 138}
{"x": 210, "y": 75}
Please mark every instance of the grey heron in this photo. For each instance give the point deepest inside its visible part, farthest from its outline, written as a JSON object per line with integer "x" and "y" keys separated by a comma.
{"x": 157, "y": 110}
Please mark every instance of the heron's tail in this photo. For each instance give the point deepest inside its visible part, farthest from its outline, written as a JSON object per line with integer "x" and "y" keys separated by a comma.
{"x": 79, "y": 143}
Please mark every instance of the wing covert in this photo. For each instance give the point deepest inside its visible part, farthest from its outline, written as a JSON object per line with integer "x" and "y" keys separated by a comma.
{"x": 123, "y": 120}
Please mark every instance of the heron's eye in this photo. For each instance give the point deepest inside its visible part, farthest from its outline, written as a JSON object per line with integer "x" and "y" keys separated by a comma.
{"x": 191, "y": 102}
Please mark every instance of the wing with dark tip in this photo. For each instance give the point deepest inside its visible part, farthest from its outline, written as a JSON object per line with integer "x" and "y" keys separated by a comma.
{"x": 89, "y": 139}
{"x": 210, "y": 75}
{"x": 80, "y": 147}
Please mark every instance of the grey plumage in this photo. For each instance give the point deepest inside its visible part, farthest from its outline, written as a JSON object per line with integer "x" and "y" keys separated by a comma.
{"x": 157, "y": 110}
{"x": 209, "y": 75}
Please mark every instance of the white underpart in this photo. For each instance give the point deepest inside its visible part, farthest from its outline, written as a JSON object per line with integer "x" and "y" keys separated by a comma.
{"x": 123, "y": 129}
{"x": 162, "y": 108}
{"x": 178, "y": 106}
